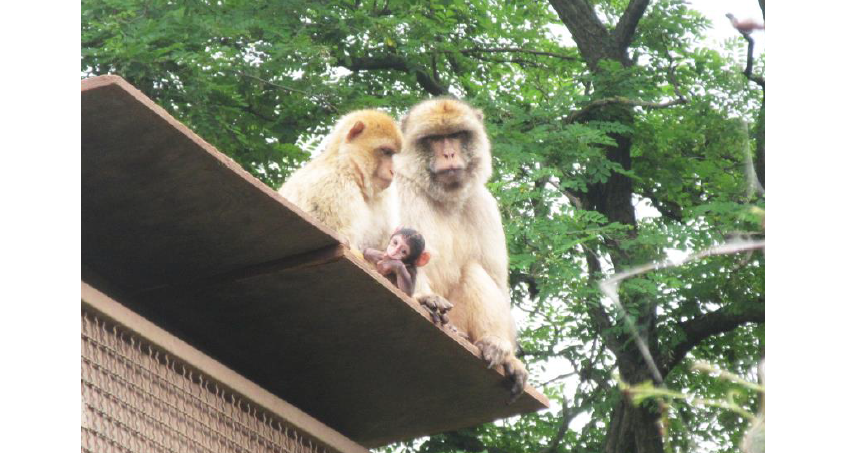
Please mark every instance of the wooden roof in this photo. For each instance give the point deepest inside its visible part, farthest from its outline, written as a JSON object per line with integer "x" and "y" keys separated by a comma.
{"x": 181, "y": 234}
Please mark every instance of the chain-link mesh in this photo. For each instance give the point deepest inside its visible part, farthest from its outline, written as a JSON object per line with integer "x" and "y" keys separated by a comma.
{"x": 137, "y": 399}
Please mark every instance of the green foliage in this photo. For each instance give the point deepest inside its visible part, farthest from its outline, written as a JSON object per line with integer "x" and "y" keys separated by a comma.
{"x": 263, "y": 80}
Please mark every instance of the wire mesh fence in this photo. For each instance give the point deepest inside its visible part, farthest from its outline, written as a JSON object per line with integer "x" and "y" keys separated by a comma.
{"x": 138, "y": 399}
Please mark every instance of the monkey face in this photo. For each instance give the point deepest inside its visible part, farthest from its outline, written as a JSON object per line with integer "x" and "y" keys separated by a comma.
{"x": 371, "y": 141}
{"x": 448, "y": 158}
{"x": 384, "y": 173}
{"x": 446, "y": 150}
{"x": 398, "y": 248}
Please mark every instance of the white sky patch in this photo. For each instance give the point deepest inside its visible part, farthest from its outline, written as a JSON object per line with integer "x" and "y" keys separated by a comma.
{"x": 716, "y": 11}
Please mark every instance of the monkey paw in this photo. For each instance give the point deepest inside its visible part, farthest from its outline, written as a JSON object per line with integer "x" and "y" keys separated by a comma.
{"x": 516, "y": 372}
{"x": 494, "y": 350}
{"x": 459, "y": 332}
{"x": 437, "y": 306}
{"x": 497, "y": 351}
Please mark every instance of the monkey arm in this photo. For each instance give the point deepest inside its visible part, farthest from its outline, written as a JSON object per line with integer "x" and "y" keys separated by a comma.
{"x": 373, "y": 256}
{"x": 493, "y": 329}
{"x": 387, "y": 266}
{"x": 404, "y": 281}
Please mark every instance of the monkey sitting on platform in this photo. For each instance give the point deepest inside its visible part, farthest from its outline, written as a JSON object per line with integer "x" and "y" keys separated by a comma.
{"x": 406, "y": 252}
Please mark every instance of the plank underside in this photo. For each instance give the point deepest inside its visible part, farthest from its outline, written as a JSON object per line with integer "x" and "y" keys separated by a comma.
{"x": 182, "y": 235}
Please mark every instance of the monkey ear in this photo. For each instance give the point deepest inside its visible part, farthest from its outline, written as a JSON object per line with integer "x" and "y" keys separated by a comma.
{"x": 357, "y": 128}
{"x": 404, "y": 123}
{"x": 396, "y": 230}
{"x": 423, "y": 259}
{"x": 479, "y": 114}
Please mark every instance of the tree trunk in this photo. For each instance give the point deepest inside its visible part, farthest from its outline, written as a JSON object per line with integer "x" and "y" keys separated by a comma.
{"x": 759, "y": 145}
{"x": 632, "y": 429}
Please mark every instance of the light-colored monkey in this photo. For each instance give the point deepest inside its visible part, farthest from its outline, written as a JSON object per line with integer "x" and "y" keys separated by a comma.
{"x": 440, "y": 182}
{"x": 345, "y": 186}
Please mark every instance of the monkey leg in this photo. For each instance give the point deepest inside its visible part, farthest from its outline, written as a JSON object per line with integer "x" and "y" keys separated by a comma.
{"x": 484, "y": 312}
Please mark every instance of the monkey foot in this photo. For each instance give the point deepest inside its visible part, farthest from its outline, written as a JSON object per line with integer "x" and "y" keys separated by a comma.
{"x": 516, "y": 372}
{"x": 497, "y": 351}
{"x": 437, "y": 306}
{"x": 459, "y": 332}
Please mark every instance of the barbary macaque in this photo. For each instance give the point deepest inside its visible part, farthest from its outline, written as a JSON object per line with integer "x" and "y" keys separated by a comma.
{"x": 345, "y": 186}
{"x": 405, "y": 253}
{"x": 441, "y": 176}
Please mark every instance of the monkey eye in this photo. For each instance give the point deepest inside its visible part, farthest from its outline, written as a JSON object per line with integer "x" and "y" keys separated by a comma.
{"x": 386, "y": 151}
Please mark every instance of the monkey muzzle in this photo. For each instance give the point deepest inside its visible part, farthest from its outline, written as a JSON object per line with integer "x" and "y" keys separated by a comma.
{"x": 450, "y": 178}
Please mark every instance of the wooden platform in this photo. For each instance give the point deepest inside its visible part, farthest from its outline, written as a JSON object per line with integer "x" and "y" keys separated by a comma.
{"x": 180, "y": 234}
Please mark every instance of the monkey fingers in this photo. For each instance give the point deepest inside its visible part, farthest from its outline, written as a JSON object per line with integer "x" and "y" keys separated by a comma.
{"x": 516, "y": 372}
{"x": 459, "y": 332}
{"x": 437, "y": 307}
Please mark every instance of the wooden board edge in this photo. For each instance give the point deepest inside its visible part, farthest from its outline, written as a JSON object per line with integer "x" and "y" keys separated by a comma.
{"x": 113, "y": 311}
{"x": 110, "y": 80}
{"x": 113, "y": 80}
{"x": 412, "y": 304}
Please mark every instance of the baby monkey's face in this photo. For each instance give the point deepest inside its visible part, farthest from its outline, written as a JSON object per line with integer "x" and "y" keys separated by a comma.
{"x": 398, "y": 249}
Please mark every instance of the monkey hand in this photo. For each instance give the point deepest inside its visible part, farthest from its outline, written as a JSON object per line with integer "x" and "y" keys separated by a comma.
{"x": 373, "y": 256}
{"x": 497, "y": 351}
{"x": 387, "y": 266}
{"x": 437, "y": 306}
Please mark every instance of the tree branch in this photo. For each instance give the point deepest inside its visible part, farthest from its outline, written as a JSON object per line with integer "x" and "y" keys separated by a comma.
{"x": 624, "y": 31}
{"x": 609, "y": 288}
{"x": 572, "y": 198}
{"x": 396, "y": 63}
{"x": 575, "y": 116}
{"x": 567, "y": 416}
{"x": 463, "y": 441}
{"x": 698, "y": 329}
{"x": 569, "y": 413}
{"x": 517, "y": 50}
{"x": 530, "y": 281}
{"x": 599, "y": 317}
{"x": 321, "y": 99}
{"x": 749, "y": 60}
{"x": 591, "y": 36}
{"x": 668, "y": 209}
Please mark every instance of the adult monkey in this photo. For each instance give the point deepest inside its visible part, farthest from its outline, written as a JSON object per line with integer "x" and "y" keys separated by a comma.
{"x": 440, "y": 181}
{"x": 345, "y": 186}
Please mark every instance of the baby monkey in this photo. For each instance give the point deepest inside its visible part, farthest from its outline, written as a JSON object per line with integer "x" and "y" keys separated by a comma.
{"x": 406, "y": 252}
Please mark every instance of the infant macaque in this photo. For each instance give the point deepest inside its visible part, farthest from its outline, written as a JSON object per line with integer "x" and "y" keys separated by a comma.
{"x": 406, "y": 252}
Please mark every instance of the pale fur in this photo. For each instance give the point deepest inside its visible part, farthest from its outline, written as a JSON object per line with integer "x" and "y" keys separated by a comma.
{"x": 337, "y": 188}
{"x": 469, "y": 266}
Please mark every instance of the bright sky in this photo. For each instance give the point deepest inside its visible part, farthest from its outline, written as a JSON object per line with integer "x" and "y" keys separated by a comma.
{"x": 716, "y": 10}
